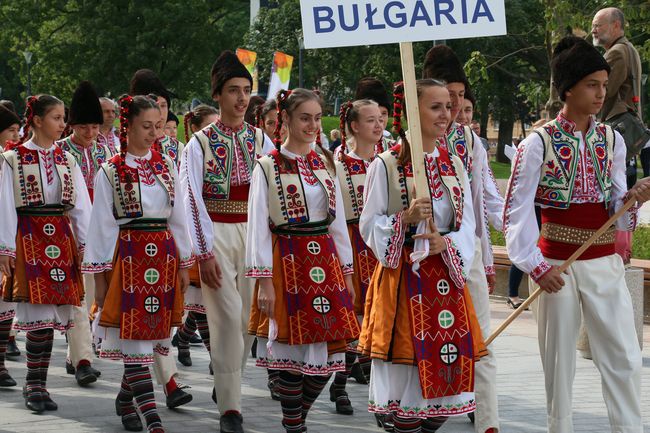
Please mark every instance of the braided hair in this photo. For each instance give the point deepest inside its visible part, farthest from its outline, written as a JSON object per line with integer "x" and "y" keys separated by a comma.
{"x": 131, "y": 107}
{"x": 38, "y": 105}
{"x": 343, "y": 122}
{"x": 349, "y": 113}
{"x": 196, "y": 117}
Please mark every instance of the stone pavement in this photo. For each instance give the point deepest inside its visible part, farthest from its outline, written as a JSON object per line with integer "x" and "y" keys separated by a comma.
{"x": 520, "y": 387}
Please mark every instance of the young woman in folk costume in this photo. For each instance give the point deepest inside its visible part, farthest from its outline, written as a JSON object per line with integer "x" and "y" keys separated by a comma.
{"x": 139, "y": 259}
{"x": 441, "y": 63}
{"x": 361, "y": 141}
{"x": 45, "y": 211}
{"x": 146, "y": 82}
{"x": 373, "y": 89}
{"x": 84, "y": 119}
{"x": 9, "y": 132}
{"x": 418, "y": 319}
{"x": 266, "y": 116}
{"x": 195, "y": 120}
{"x": 299, "y": 250}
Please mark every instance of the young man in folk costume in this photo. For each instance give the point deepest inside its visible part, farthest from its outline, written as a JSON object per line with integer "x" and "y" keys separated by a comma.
{"x": 373, "y": 89}
{"x": 85, "y": 117}
{"x": 216, "y": 173}
{"x": 9, "y": 127}
{"x": 418, "y": 317}
{"x": 441, "y": 63}
{"x": 146, "y": 82}
{"x": 139, "y": 259}
{"x": 574, "y": 168}
{"x": 107, "y": 133}
{"x": 45, "y": 211}
{"x": 362, "y": 139}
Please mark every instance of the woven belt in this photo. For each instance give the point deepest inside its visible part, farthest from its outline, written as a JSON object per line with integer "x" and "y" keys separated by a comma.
{"x": 41, "y": 211}
{"x": 228, "y": 207}
{"x": 146, "y": 224}
{"x": 575, "y": 236}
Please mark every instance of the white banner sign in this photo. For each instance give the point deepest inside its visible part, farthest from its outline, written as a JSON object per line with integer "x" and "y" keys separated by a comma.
{"x": 342, "y": 23}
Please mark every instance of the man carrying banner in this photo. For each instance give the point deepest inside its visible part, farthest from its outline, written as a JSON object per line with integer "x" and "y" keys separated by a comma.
{"x": 574, "y": 168}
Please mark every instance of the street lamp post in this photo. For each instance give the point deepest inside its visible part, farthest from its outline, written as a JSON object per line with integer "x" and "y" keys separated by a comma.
{"x": 28, "y": 60}
{"x": 301, "y": 48}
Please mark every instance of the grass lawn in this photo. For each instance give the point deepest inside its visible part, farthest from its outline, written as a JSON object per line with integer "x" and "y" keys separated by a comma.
{"x": 501, "y": 170}
{"x": 640, "y": 242}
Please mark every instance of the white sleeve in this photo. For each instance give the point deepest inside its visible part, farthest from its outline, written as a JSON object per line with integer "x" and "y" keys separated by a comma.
{"x": 491, "y": 195}
{"x": 619, "y": 187}
{"x": 80, "y": 214}
{"x": 462, "y": 242}
{"x": 519, "y": 221}
{"x": 100, "y": 244}
{"x": 338, "y": 229}
{"x": 268, "y": 145}
{"x": 259, "y": 240}
{"x": 178, "y": 225}
{"x": 383, "y": 233}
{"x": 8, "y": 214}
{"x": 198, "y": 219}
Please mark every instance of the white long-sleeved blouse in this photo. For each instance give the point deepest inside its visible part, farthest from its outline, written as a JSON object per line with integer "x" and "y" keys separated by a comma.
{"x": 259, "y": 247}
{"x": 79, "y": 215}
{"x": 384, "y": 233}
{"x": 100, "y": 246}
{"x": 520, "y": 223}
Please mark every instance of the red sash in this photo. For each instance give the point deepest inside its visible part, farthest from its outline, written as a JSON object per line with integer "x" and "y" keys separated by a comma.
{"x": 51, "y": 270}
{"x": 318, "y": 303}
{"x": 149, "y": 267}
{"x": 440, "y": 330}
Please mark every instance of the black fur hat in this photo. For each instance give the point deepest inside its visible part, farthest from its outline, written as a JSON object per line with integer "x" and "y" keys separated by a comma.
{"x": 145, "y": 81}
{"x": 172, "y": 117}
{"x": 226, "y": 67}
{"x": 573, "y": 59}
{"x": 85, "y": 107}
{"x": 441, "y": 63}
{"x": 7, "y": 118}
{"x": 372, "y": 88}
{"x": 470, "y": 96}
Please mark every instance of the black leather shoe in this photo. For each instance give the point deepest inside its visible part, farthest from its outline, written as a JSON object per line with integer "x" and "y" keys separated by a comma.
{"x": 69, "y": 368}
{"x": 231, "y": 422}
{"x": 343, "y": 404}
{"x": 94, "y": 371}
{"x": 178, "y": 398}
{"x": 12, "y": 349}
{"x": 196, "y": 340}
{"x": 357, "y": 374}
{"x": 85, "y": 375}
{"x": 185, "y": 358}
{"x": 132, "y": 422}
{"x": 48, "y": 402}
{"x": 214, "y": 396}
{"x": 6, "y": 380}
{"x": 385, "y": 421}
{"x": 470, "y": 415}
{"x": 35, "y": 406}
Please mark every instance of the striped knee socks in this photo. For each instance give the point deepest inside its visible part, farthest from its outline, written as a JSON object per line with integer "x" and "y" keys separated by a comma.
{"x": 138, "y": 378}
{"x": 291, "y": 395}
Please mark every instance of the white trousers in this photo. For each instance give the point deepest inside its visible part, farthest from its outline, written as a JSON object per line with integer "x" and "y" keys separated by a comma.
{"x": 228, "y": 310}
{"x": 595, "y": 288}
{"x": 485, "y": 387}
{"x": 80, "y": 339}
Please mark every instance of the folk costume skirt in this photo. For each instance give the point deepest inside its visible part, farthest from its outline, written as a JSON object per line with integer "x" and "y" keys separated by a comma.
{"x": 46, "y": 282}
{"x": 144, "y": 299}
{"x": 423, "y": 337}
{"x": 314, "y": 313}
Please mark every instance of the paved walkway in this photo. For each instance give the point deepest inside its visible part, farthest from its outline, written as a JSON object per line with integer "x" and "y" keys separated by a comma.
{"x": 520, "y": 386}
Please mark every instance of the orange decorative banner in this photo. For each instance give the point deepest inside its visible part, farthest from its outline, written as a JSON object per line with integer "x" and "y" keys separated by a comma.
{"x": 249, "y": 60}
{"x": 280, "y": 73}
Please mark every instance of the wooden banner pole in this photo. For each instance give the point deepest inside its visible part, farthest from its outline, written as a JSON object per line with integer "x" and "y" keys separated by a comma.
{"x": 413, "y": 115}
{"x": 563, "y": 267}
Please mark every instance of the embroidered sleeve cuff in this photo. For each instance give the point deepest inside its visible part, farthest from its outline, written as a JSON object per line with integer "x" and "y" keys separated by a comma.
{"x": 540, "y": 270}
{"x": 259, "y": 272}
{"x": 348, "y": 269}
{"x": 395, "y": 242}
{"x": 7, "y": 251}
{"x": 490, "y": 270}
{"x": 454, "y": 261}
{"x": 96, "y": 268}
{"x": 187, "y": 262}
{"x": 205, "y": 256}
